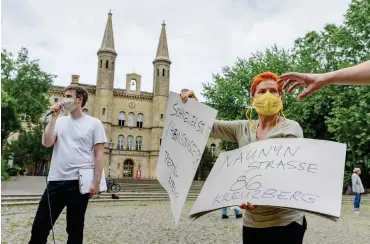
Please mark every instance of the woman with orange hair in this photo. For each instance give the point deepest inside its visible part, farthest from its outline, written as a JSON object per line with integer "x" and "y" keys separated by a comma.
{"x": 263, "y": 224}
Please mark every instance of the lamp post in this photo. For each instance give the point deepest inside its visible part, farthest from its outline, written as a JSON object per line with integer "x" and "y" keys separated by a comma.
{"x": 110, "y": 146}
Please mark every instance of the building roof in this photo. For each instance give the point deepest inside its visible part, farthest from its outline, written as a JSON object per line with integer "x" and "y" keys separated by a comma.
{"x": 59, "y": 90}
{"x": 108, "y": 39}
{"x": 162, "y": 49}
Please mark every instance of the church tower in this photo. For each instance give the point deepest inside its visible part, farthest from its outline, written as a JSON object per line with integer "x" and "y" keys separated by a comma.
{"x": 161, "y": 88}
{"x": 161, "y": 81}
{"x": 105, "y": 78}
{"x": 161, "y": 78}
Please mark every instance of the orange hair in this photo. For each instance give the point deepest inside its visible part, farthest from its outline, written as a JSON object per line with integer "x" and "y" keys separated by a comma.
{"x": 263, "y": 77}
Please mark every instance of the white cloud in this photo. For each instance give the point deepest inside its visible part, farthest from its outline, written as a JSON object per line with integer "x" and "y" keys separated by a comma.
{"x": 203, "y": 36}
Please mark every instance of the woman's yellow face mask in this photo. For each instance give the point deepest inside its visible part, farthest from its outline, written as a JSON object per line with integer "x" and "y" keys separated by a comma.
{"x": 267, "y": 100}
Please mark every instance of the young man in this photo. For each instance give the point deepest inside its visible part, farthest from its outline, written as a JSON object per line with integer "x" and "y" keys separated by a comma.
{"x": 78, "y": 141}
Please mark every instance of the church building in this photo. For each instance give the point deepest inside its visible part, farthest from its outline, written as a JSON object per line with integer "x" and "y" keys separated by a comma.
{"x": 133, "y": 119}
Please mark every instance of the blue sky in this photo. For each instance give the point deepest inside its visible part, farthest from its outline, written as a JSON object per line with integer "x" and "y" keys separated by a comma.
{"x": 203, "y": 36}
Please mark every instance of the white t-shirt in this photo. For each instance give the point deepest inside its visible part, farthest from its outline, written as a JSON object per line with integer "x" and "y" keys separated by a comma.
{"x": 74, "y": 146}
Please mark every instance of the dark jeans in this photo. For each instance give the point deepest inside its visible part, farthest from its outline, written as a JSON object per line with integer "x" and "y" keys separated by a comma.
{"x": 290, "y": 234}
{"x": 61, "y": 194}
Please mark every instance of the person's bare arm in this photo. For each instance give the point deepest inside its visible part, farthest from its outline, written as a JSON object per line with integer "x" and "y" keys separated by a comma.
{"x": 48, "y": 136}
{"x": 356, "y": 75}
{"x": 98, "y": 165}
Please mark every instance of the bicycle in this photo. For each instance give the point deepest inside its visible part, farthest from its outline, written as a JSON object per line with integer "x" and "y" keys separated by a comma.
{"x": 113, "y": 187}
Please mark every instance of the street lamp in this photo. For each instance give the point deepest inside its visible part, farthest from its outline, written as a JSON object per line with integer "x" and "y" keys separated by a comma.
{"x": 110, "y": 146}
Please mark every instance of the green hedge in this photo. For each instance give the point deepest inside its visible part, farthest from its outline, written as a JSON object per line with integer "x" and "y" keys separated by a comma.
{"x": 4, "y": 173}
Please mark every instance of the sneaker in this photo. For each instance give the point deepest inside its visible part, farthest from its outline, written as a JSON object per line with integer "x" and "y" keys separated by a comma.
{"x": 239, "y": 216}
{"x": 357, "y": 212}
{"x": 225, "y": 217}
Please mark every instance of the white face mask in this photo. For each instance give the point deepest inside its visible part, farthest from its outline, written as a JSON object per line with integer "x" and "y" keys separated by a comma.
{"x": 69, "y": 104}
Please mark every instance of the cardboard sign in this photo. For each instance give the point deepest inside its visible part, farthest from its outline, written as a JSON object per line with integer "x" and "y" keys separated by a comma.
{"x": 184, "y": 138}
{"x": 295, "y": 173}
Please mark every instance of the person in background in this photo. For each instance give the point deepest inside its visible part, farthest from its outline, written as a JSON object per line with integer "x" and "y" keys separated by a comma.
{"x": 357, "y": 189}
{"x": 356, "y": 75}
{"x": 236, "y": 211}
{"x": 263, "y": 224}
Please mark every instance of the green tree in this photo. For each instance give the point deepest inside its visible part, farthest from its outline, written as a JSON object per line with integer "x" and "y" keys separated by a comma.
{"x": 10, "y": 120}
{"x": 28, "y": 148}
{"x": 325, "y": 114}
{"x": 229, "y": 92}
{"x": 341, "y": 113}
{"x": 25, "y": 87}
{"x": 205, "y": 165}
{"x": 350, "y": 124}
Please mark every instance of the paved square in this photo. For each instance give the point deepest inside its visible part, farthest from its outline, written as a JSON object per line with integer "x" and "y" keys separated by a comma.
{"x": 150, "y": 222}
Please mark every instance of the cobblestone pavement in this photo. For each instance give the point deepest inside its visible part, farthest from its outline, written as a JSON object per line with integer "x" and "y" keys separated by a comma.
{"x": 151, "y": 222}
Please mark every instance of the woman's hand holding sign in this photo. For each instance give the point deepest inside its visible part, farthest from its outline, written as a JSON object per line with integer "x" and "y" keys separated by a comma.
{"x": 247, "y": 206}
{"x": 186, "y": 94}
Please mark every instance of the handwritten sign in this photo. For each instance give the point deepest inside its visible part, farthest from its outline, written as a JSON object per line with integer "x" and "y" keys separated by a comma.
{"x": 294, "y": 173}
{"x": 184, "y": 138}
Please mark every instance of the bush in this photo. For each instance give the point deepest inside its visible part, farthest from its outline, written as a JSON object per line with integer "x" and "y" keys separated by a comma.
{"x": 13, "y": 171}
{"x": 4, "y": 167}
{"x": 4, "y": 176}
{"x": 347, "y": 179}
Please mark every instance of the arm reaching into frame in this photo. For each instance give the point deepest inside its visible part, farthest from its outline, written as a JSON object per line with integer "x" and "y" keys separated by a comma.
{"x": 356, "y": 75}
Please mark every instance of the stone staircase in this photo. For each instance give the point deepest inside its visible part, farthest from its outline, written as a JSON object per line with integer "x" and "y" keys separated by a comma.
{"x": 28, "y": 190}
{"x": 131, "y": 190}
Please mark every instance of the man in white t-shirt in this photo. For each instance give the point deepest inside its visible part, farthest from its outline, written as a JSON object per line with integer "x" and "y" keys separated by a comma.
{"x": 78, "y": 141}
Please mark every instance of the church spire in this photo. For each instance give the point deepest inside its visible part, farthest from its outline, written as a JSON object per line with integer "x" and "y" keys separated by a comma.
{"x": 162, "y": 49}
{"x": 108, "y": 40}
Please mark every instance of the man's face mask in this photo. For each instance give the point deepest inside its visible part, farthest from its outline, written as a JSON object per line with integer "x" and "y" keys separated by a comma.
{"x": 267, "y": 104}
{"x": 69, "y": 104}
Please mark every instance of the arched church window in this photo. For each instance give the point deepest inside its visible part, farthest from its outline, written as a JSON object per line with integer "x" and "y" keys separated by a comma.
{"x": 139, "y": 143}
{"x": 163, "y": 72}
{"x": 133, "y": 85}
{"x": 140, "y": 120}
{"x": 106, "y": 64}
{"x": 101, "y": 64}
{"x": 131, "y": 117}
{"x": 157, "y": 72}
{"x": 121, "y": 118}
{"x": 130, "y": 143}
{"x": 120, "y": 143}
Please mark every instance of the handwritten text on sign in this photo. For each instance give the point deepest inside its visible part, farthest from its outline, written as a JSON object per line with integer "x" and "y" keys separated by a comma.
{"x": 184, "y": 138}
{"x": 296, "y": 173}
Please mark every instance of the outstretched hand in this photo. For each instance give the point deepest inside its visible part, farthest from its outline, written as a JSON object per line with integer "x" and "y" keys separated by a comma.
{"x": 312, "y": 82}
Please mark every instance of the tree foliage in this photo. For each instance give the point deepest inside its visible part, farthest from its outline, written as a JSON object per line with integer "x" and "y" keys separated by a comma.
{"x": 28, "y": 148}
{"x": 24, "y": 91}
{"x": 205, "y": 165}
{"x": 338, "y": 113}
